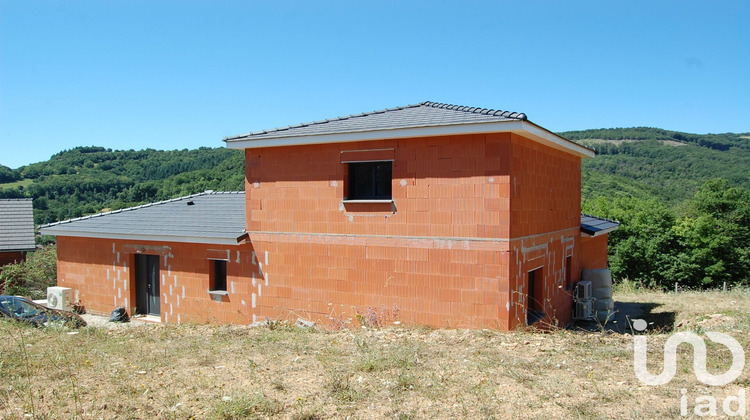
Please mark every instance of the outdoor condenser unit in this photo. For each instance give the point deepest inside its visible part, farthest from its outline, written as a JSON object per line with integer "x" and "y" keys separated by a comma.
{"x": 584, "y": 309}
{"x": 59, "y": 298}
{"x": 583, "y": 290}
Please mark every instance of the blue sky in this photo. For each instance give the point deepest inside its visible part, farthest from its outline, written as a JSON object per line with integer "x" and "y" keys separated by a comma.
{"x": 185, "y": 74}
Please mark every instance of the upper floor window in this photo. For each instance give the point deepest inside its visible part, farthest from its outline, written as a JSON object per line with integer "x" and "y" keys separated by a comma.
{"x": 370, "y": 181}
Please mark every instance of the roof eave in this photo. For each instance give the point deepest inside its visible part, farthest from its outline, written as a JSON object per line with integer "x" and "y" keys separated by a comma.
{"x": 525, "y": 128}
{"x": 600, "y": 232}
{"x": 555, "y": 141}
{"x": 19, "y": 249}
{"x": 136, "y": 237}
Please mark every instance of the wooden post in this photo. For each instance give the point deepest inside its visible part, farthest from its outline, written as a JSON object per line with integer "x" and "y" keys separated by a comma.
{"x": 725, "y": 287}
{"x": 676, "y": 287}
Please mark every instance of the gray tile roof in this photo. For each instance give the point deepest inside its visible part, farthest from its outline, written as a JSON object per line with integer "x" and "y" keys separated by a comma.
{"x": 425, "y": 114}
{"x": 595, "y": 226}
{"x": 16, "y": 225}
{"x": 207, "y": 217}
{"x": 213, "y": 217}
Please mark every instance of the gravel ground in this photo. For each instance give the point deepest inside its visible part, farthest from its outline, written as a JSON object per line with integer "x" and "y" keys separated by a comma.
{"x": 103, "y": 322}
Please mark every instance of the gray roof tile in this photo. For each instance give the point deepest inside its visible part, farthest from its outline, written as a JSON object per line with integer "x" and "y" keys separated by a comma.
{"x": 213, "y": 217}
{"x": 16, "y": 225}
{"x": 425, "y": 114}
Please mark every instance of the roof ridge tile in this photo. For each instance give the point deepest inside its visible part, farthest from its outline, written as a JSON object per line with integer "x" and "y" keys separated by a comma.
{"x": 477, "y": 110}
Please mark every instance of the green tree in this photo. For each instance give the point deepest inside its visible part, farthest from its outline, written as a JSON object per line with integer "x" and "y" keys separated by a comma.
{"x": 8, "y": 175}
{"x": 645, "y": 241}
{"x": 714, "y": 237}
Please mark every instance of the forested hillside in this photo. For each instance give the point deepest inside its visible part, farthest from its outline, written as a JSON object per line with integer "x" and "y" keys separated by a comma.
{"x": 87, "y": 180}
{"x": 655, "y": 163}
{"x": 683, "y": 199}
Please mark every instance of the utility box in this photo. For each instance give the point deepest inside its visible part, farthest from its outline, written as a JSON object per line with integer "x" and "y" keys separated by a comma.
{"x": 60, "y": 298}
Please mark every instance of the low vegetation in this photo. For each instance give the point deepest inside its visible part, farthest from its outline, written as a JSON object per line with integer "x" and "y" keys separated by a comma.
{"x": 229, "y": 372}
{"x": 31, "y": 277}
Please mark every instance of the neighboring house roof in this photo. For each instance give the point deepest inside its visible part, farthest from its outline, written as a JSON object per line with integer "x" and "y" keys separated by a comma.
{"x": 419, "y": 120}
{"x": 595, "y": 226}
{"x": 16, "y": 225}
{"x": 208, "y": 217}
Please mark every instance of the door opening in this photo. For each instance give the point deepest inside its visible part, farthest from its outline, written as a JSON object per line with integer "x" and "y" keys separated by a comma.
{"x": 535, "y": 297}
{"x": 147, "y": 284}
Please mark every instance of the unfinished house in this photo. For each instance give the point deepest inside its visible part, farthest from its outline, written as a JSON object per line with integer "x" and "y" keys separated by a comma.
{"x": 431, "y": 214}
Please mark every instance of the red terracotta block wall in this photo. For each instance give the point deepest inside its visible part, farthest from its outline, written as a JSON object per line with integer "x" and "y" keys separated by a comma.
{"x": 416, "y": 281}
{"x": 593, "y": 252}
{"x": 438, "y": 253}
{"x": 442, "y": 187}
{"x": 101, "y": 275}
{"x": 548, "y": 253}
{"x": 545, "y": 189}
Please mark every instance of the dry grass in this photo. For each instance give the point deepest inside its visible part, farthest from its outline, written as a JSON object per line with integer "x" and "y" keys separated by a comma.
{"x": 226, "y": 372}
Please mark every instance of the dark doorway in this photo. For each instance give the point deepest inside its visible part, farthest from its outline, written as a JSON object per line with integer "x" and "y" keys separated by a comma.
{"x": 535, "y": 298}
{"x": 147, "y": 284}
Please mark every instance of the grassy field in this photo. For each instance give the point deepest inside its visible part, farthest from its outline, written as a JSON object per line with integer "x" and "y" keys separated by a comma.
{"x": 12, "y": 185}
{"x": 279, "y": 371}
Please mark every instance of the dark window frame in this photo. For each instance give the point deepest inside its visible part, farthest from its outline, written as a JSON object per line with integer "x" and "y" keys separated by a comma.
{"x": 370, "y": 180}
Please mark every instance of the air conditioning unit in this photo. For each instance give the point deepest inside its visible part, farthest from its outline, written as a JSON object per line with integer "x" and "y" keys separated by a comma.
{"x": 60, "y": 298}
{"x": 584, "y": 309}
{"x": 583, "y": 290}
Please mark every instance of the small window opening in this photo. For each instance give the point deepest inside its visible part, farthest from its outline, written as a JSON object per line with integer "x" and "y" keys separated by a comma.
{"x": 370, "y": 181}
{"x": 218, "y": 275}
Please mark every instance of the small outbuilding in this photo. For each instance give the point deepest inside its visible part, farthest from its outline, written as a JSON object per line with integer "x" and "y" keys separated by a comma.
{"x": 16, "y": 229}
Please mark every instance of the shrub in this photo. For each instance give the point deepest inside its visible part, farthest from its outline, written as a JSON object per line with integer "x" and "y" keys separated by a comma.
{"x": 31, "y": 277}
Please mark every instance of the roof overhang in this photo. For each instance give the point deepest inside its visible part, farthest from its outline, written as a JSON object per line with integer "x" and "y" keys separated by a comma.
{"x": 137, "y": 237}
{"x": 590, "y": 234}
{"x": 22, "y": 249}
{"x": 524, "y": 128}
{"x": 592, "y": 226}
